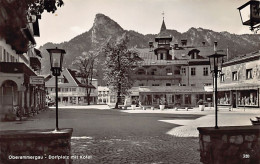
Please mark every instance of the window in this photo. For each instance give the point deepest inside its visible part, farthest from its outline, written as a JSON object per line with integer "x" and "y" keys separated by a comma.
{"x": 193, "y": 85}
{"x": 222, "y": 77}
{"x": 141, "y": 84}
{"x": 249, "y": 74}
{"x": 168, "y": 71}
{"x": 1, "y": 53}
{"x": 207, "y": 84}
{"x": 193, "y": 71}
{"x": 168, "y": 84}
{"x": 153, "y": 71}
{"x": 234, "y": 76}
{"x": 177, "y": 72}
{"x": 7, "y": 57}
{"x": 141, "y": 72}
{"x": 73, "y": 89}
{"x": 161, "y": 56}
{"x": 187, "y": 99}
{"x": 4, "y": 55}
{"x": 156, "y": 85}
{"x": 183, "y": 71}
{"x": 192, "y": 56}
{"x": 205, "y": 71}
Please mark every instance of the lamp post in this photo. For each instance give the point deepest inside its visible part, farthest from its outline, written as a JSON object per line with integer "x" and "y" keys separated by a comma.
{"x": 250, "y": 14}
{"x": 216, "y": 61}
{"x": 56, "y": 59}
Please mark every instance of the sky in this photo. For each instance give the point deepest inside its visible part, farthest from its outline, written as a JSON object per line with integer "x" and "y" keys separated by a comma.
{"x": 143, "y": 16}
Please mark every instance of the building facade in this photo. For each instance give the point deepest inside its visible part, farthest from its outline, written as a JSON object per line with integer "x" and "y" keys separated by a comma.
{"x": 177, "y": 73}
{"x": 103, "y": 95}
{"x": 19, "y": 67}
{"x": 71, "y": 90}
{"x": 239, "y": 83}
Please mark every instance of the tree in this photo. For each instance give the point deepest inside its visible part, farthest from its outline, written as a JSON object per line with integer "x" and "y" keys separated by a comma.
{"x": 86, "y": 64}
{"x": 16, "y": 14}
{"x": 118, "y": 66}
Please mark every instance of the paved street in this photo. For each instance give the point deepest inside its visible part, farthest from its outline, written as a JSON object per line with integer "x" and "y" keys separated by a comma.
{"x": 110, "y": 136}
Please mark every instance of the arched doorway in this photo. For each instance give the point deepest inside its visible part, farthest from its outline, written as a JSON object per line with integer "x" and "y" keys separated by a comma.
{"x": 8, "y": 95}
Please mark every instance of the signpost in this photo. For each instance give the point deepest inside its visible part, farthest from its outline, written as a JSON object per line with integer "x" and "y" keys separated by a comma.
{"x": 36, "y": 80}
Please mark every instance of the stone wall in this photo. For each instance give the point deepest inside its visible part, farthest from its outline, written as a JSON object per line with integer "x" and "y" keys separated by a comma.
{"x": 230, "y": 145}
{"x": 35, "y": 146}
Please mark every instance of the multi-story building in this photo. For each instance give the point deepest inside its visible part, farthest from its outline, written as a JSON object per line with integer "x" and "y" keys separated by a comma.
{"x": 71, "y": 88}
{"x": 176, "y": 73}
{"x": 103, "y": 95}
{"x": 239, "y": 83}
{"x": 20, "y": 85}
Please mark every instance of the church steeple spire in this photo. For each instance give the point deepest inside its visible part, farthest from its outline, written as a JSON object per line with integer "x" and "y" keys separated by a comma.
{"x": 163, "y": 27}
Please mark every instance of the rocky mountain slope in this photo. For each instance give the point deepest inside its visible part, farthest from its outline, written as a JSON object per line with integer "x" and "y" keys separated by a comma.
{"x": 104, "y": 28}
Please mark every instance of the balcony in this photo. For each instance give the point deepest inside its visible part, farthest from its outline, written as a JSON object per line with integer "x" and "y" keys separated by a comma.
{"x": 35, "y": 63}
{"x": 14, "y": 67}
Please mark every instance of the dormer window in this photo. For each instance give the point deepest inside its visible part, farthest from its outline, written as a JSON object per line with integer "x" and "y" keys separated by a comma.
{"x": 161, "y": 56}
{"x": 194, "y": 54}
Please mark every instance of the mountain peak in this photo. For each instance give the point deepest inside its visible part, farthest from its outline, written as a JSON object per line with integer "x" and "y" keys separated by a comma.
{"x": 105, "y": 21}
{"x": 104, "y": 26}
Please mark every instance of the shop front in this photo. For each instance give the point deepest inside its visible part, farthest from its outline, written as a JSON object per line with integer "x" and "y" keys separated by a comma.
{"x": 172, "y": 96}
{"x": 240, "y": 95}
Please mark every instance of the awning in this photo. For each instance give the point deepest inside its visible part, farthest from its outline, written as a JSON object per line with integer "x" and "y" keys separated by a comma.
{"x": 238, "y": 86}
{"x": 168, "y": 89}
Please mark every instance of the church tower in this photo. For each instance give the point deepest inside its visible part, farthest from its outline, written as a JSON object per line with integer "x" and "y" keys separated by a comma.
{"x": 163, "y": 40}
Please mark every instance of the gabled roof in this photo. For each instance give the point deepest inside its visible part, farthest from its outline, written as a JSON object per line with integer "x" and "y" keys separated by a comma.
{"x": 243, "y": 58}
{"x": 65, "y": 73}
{"x": 72, "y": 81}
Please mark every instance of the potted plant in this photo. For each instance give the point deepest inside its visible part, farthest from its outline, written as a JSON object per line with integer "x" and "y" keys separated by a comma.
{"x": 133, "y": 105}
{"x": 201, "y": 105}
{"x": 162, "y": 103}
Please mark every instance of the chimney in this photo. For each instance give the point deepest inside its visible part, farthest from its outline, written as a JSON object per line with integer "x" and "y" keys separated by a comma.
{"x": 215, "y": 46}
{"x": 203, "y": 43}
{"x": 151, "y": 45}
{"x": 184, "y": 42}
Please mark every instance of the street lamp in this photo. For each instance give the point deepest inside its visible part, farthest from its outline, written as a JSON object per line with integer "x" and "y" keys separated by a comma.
{"x": 250, "y": 14}
{"x": 56, "y": 59}
{"x": 216, "y": 61}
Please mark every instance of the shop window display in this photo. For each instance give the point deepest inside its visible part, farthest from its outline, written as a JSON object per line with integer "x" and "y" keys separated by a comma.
{"x": 224, "y": 98}
{"x": 188, "y": 99}
{"x": 248, "y": 98}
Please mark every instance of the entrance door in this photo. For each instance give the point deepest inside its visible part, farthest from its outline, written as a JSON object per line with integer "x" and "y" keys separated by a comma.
{"x": 234, "y": 100}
